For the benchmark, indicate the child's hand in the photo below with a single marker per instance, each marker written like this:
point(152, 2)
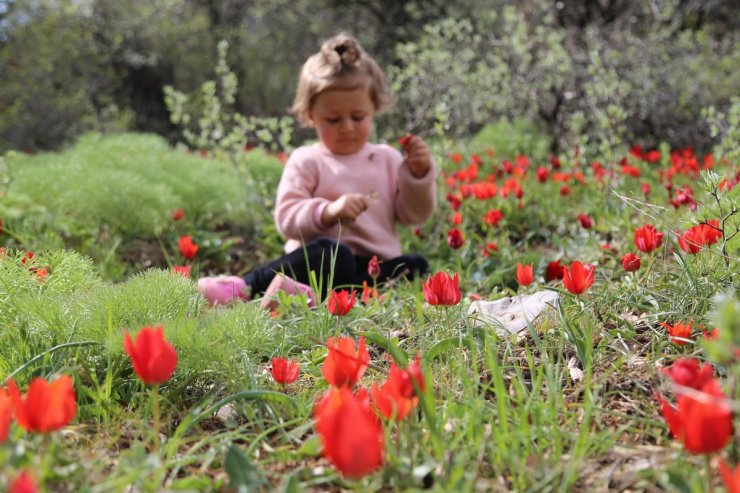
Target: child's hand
point(418, 157)
point(346, 207)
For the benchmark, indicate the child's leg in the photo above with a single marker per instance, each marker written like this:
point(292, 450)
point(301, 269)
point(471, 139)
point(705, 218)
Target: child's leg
point(298, 264)
point(408, 266)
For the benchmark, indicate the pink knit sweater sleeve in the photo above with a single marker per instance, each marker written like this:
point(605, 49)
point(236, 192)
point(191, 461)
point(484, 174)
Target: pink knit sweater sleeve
point(417, 197)
point(297, 211)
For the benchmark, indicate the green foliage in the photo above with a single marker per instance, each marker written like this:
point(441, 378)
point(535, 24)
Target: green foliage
point(72, 305)
point(107, 192)
point(511, 139)
point(212, 123)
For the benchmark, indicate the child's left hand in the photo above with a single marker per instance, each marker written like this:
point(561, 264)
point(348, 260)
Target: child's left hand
point(418, 156)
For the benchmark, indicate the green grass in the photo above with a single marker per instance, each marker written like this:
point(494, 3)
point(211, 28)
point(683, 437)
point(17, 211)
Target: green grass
point(499, 414)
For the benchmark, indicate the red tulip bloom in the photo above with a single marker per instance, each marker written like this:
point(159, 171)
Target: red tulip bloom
point(46, 406)
point(284, 371)
point(153, 358)
point(344, 364)
point(703, 424)
point(350, 432)
point(554, 271)
point(6, 414)
point(177, 214)
point(24, 483)
point(524, 274)
point(368, 293)
point(647, 238)
point(397, 396)
point(441, 289)
point(645, 187)
point(730, 478)
point(586, 221)
point(688, 373)
point(493, 217)
point(405, 141)
point(678, 332)
point(341, 302)
point(183, 270)
point(455, 238)
point(542, 174)
point(565, 190)
point(579, 277)
point(456, 219)
point(187, 248)
point(631, 262)
point(652, 156)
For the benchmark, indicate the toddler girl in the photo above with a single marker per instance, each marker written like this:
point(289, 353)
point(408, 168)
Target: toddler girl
point(339, 200)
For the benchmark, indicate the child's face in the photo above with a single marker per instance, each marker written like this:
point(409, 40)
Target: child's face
point(343, 119)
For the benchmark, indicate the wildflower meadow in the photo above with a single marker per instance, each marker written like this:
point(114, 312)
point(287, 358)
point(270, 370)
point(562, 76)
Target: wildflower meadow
point(579, 326)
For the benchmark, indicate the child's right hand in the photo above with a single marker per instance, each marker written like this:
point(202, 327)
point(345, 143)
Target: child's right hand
point(347, 207)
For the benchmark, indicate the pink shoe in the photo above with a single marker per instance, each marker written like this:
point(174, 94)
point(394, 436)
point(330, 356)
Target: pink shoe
point(288, 286)
point(222, 290)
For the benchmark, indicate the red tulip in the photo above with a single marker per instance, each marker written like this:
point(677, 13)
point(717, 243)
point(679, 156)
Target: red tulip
point(565, 190)
point(441, 289)
point(524, 274)
point(397, 396)
point(455, 238)
point(6, 414)
point(183, 270)
point(703, 423)
point(647, 238)
point(688, 373)
point(350, 432)
point(368, 293)
point(542, 174)
point(187, 248)
point(586, 221)
point(24, 483)
point(554, 271)
point(373, 267)
point(341, 302)
point(153, 358)
point(177, 214)
point(631, 262)
point(696, 237)
point(730, 478)
point(46, 406)
point(679, 332)
point(344, 365)
point(579, 277)
point(652, 156)
point(285, 372)
point(493, 217)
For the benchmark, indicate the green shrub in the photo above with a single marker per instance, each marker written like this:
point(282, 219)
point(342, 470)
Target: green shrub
point(107, 192)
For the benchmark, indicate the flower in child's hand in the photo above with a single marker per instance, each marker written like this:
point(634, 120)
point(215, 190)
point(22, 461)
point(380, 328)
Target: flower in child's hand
point(455, 238)
point(187, 247)
point(153, 358)
point(405, 141)
point(24, 483)
point(47, 406)
point(345, 364)
point(284, 371)
point(524, 274)
point(341, 302)
point(442, 289)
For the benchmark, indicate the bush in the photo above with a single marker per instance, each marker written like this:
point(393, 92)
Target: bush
point(83, 198)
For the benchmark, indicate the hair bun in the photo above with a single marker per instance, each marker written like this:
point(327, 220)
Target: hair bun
point(341, 50)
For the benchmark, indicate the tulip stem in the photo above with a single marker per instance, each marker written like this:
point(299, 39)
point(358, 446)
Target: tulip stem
point(155, 416)
point(710, 486)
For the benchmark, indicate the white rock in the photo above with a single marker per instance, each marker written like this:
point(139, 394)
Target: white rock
point(512, 314)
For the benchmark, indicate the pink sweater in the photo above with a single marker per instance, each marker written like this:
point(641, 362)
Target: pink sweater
point(314, 176)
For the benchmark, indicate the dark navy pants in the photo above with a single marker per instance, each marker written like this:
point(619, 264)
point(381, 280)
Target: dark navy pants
point(349, 269)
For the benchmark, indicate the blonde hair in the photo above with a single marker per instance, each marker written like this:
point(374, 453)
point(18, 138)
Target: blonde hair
point(343, 65)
